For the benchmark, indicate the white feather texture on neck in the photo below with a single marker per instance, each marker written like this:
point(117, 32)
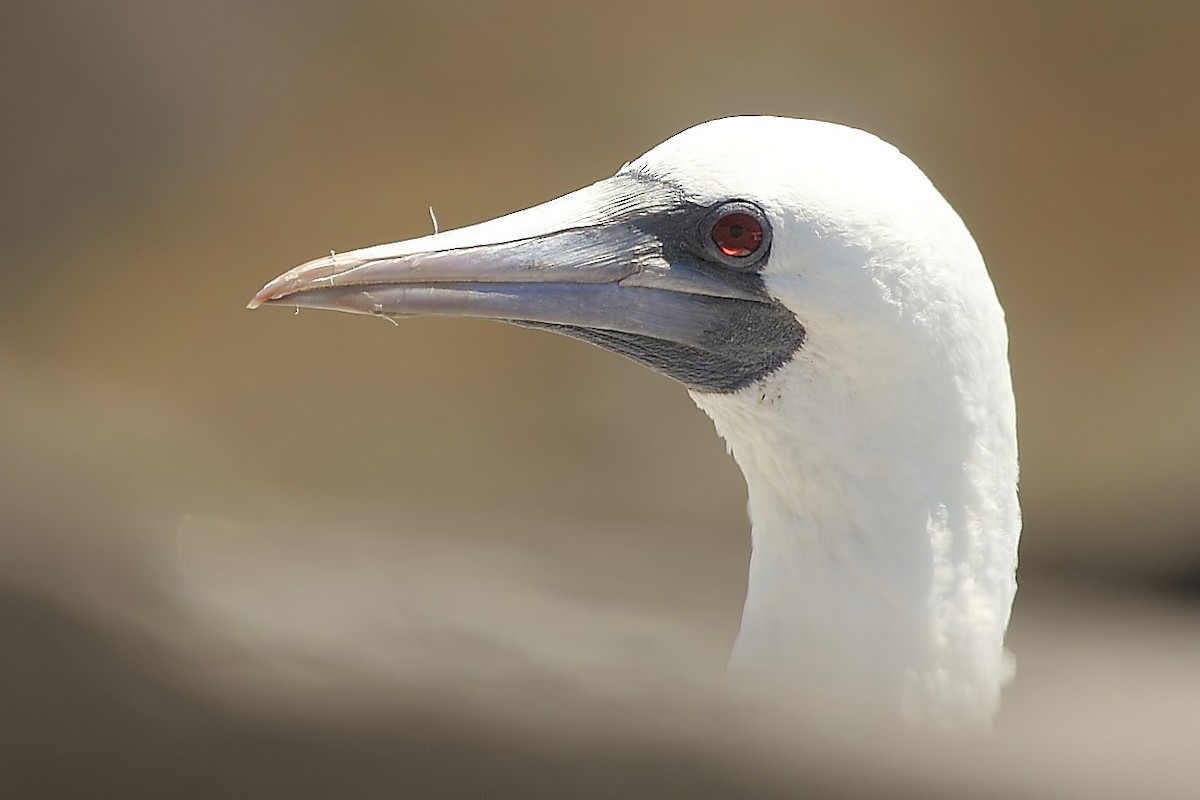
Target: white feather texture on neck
point(881, 461)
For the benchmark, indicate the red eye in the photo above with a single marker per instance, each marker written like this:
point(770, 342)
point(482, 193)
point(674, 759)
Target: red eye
point(737, 235)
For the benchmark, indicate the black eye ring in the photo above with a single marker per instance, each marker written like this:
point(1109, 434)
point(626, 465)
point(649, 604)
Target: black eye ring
point(736, 234)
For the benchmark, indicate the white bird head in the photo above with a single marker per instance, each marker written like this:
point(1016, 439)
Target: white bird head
point(829, 310)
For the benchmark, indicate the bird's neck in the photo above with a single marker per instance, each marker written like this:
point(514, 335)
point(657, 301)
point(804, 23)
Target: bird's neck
point(884, 539)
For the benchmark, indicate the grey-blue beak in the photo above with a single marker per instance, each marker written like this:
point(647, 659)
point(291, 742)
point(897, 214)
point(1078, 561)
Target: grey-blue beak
point(614, 264)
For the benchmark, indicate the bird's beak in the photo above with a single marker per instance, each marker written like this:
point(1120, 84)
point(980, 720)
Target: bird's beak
point(607, 263)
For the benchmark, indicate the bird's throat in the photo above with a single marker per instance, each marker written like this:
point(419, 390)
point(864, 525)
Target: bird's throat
point(881, 574)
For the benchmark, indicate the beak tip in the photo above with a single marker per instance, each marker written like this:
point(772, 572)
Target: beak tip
point(276, 289)
point(285, 285)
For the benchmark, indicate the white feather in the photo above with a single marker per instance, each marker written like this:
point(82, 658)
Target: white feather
point(881, 462)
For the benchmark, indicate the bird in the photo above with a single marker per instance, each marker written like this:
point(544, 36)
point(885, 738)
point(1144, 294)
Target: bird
point(829, 310)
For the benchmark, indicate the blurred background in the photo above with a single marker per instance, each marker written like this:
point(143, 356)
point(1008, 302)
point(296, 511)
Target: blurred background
point(275, 555)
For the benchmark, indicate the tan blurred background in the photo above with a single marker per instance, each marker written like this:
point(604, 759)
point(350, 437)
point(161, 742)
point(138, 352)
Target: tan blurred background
point(264, 555)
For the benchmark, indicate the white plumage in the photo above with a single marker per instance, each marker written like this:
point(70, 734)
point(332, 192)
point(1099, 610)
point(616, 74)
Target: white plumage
point(880, 457)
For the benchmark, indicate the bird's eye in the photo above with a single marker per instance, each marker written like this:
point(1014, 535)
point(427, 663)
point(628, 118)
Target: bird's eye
point(736, 234)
